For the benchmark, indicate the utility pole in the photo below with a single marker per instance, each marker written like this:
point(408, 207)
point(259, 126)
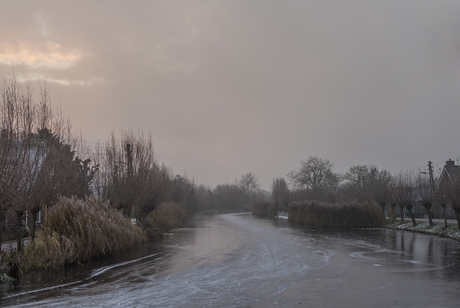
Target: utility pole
point(430, 172)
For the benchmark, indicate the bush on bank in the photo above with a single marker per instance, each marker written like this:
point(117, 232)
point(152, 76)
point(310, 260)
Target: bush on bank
point(336, 215)
point(76, 230)
point(166, 216)
point(264, 208)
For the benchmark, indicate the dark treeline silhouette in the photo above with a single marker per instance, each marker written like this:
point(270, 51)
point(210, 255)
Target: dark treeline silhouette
point(42, 160)
point(415, 193)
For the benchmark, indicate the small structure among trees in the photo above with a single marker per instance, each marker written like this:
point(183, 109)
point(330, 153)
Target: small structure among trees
point(448, 190)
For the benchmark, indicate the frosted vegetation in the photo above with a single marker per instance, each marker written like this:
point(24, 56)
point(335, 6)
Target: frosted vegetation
point(77, 230)
point(337, 215)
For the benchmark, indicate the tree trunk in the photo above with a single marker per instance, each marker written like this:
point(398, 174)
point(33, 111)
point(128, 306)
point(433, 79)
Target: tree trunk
point(428, 211)
point(401, 209)
point(409, 209)
point(445, 214)
point(393, 212)
point(457, 216)
point(127, 212)
point(32, 231)
point(19, 231)
point(2, 224)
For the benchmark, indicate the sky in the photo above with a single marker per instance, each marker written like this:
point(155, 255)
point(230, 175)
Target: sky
point(230, 87)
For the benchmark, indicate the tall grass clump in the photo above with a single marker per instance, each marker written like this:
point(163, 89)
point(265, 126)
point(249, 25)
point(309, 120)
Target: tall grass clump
point(76, 230)
point(351, 214)
point(166, 216)
point(10, 265)
point(264, 208)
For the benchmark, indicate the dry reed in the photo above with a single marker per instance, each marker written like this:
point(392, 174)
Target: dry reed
point(10, 265)
point(336, 215)
point(77, 230)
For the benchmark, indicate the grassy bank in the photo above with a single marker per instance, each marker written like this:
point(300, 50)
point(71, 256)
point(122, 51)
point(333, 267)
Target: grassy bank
point(438, 229)
point(336, 215)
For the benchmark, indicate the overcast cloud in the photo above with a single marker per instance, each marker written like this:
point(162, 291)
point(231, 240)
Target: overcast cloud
point(228, 87)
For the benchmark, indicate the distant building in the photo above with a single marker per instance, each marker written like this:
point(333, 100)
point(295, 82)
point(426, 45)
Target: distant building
point(35, 155)
point(449, 176)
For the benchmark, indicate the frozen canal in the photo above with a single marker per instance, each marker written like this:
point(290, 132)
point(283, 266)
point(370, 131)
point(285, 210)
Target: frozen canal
point(237, 260)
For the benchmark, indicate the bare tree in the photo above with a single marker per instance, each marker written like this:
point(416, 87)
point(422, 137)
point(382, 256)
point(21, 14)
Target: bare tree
point(21, 151)
point(442, 197)
point(405, 193)
point(17, 123)
point(205, 197)
point(368, 183)
point(280, 194)
point(184, 192)
point(229, 196)
point(424, 193)
point(315, 173)
point(358, 175)
point(128, 169)
point(379, 183)
point(382, 196)
point(249, 184)
point(160, 188)
point(393, 203)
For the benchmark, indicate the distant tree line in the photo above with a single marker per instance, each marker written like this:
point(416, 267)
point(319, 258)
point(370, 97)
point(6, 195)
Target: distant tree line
point(41, 160)
point(316, 180)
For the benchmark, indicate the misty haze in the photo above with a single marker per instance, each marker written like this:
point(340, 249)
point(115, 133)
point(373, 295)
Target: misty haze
point(219, 153)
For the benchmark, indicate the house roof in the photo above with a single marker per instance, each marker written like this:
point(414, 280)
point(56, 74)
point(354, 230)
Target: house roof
point(450, 172)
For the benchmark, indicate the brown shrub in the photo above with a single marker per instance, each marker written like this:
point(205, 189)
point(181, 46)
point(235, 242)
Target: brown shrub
point(77, 230)
point(336, 215)
point(264, 208)
point(166, 216)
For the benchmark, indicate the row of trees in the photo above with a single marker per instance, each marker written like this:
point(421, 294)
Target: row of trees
point(315, 179)
point(42, 160)
point(38, 161)
point(132, 180)
point(234, 196)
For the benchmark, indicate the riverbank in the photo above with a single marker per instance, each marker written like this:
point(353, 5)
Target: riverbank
point(241, 260)
point(438, 229)
point(423, 226)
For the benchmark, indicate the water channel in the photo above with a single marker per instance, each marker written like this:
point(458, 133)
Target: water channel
point(237, 260)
